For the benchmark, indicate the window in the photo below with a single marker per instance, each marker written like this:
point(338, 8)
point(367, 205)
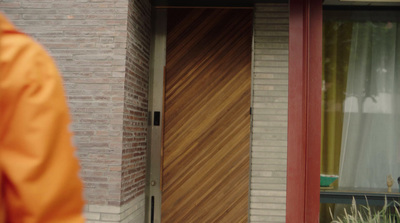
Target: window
point(361, 99)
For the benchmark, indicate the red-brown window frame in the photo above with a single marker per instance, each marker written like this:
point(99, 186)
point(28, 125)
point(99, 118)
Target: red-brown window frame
point(304, 115)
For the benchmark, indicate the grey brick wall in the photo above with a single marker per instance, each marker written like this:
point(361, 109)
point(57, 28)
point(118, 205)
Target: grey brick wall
point(105, 76)
point(87, 40)
point(270, 103)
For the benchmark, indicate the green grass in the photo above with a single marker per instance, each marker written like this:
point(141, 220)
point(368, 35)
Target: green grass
point(365, 214)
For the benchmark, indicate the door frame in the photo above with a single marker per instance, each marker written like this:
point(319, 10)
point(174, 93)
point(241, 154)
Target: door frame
point(304, 125)
point(304, 114)
point(156, 104)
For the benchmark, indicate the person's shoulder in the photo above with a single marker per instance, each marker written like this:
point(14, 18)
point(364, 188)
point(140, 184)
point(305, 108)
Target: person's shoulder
point(21, 56)
point(25, 64)
point(16, 46)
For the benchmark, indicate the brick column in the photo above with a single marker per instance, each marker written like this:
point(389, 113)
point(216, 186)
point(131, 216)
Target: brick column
point(270, 102)
point(102, 50)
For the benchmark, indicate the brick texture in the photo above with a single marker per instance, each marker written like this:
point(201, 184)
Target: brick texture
point(130, 212)
point(270, 102)
point(102, 50)
point(136, 100)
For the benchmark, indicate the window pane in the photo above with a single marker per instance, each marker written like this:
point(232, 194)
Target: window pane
point(361, 99)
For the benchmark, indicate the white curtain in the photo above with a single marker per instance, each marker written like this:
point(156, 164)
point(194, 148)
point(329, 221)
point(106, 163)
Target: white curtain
point(371, 128)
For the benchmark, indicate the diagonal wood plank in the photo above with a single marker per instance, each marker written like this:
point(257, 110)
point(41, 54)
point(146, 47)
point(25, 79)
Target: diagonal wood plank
point(207, 122)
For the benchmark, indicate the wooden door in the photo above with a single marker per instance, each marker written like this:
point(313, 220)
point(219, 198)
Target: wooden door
point(205, 169)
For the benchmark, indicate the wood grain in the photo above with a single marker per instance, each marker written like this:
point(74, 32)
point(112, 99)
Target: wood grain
point(205, 167)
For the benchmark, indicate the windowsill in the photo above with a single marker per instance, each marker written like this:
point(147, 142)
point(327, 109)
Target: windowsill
point(345, 196)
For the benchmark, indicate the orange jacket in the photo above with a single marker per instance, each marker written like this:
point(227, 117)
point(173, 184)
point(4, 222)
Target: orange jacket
point(39, 180)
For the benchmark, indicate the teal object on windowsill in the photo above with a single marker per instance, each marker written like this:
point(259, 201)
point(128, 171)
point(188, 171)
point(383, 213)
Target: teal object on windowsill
point(327, 180)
